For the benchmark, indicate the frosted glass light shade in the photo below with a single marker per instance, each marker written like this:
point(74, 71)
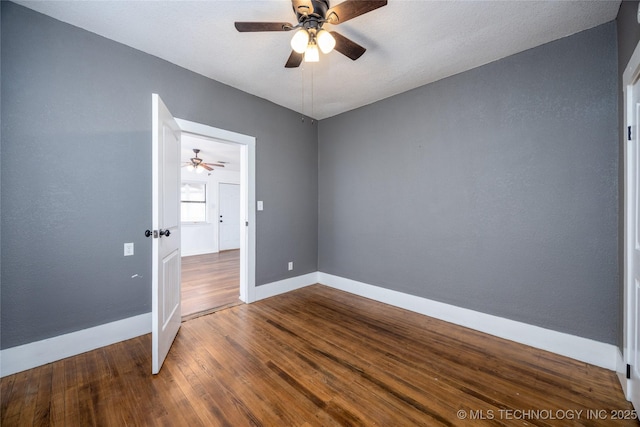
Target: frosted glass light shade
point(312, 54)
point(326, 42)
point(300, 41)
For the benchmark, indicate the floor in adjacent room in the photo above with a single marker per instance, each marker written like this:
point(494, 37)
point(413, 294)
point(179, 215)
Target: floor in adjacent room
point(210, 282)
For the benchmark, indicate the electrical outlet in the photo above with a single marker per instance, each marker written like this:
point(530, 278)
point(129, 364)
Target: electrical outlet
point(128, 249)
point(290, 265)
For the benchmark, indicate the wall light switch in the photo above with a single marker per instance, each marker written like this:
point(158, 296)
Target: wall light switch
point(260, 205)
point(128, 249)
point(290, 265)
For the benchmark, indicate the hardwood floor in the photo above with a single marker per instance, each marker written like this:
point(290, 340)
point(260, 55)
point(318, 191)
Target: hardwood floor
point(210, 282)
point(316, 357)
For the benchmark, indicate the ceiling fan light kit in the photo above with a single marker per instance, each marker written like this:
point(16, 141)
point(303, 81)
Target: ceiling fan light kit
point(308, 42)
point(311, 16)
point(326, 42)
point(196, 169)
point(300, 41)
point(311, 54)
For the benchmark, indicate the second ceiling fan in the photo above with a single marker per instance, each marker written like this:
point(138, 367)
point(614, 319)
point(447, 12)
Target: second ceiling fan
point(312, 15)
point(197, 164)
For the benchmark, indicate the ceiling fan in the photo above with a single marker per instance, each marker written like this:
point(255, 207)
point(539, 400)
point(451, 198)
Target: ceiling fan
point(196, 164)
point(311, 16)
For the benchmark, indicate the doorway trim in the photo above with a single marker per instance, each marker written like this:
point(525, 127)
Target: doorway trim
point(630, 77)
point(247, 198)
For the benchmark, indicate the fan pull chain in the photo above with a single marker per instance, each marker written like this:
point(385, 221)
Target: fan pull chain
point(313, 69)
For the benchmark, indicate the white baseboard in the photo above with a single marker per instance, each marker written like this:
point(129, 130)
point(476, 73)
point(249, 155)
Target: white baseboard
point(583, 349)
point(196, 253)
point(27, 356)
point(20, 358)
point(286, 285)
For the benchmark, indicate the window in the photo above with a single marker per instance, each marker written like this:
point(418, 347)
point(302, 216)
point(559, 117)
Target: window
point(193, 202)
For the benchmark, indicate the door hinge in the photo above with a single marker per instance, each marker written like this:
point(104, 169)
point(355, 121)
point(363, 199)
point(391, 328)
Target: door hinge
point(628, 133)
point(628, 371)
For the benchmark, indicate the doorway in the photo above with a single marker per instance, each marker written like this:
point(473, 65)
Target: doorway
point(166, 203)
point(210, 220)
point(214, 278)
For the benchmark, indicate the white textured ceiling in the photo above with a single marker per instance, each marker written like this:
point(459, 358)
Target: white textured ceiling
point(409, 42)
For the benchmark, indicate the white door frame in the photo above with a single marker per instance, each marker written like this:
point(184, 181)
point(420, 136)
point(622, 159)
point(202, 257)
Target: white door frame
point(630, 77)
point(247, 199)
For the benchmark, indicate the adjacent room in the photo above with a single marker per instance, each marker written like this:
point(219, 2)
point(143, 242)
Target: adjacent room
point(210, 222)
point(303, 212)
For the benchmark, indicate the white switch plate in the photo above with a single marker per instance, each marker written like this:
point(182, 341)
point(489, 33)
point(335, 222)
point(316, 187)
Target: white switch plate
point(260, 205)
point(128, 249)
point(290, 265)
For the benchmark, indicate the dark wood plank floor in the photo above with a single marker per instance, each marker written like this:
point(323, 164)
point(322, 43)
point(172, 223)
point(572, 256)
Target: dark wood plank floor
point(210, 282)
point(316, 357)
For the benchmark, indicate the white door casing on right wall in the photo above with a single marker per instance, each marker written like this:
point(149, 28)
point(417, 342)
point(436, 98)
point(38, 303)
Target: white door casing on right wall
point(633, 357)
point(631, 82)
point(229, 216)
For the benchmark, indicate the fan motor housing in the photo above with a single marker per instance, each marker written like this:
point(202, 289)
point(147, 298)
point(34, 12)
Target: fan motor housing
point(320, 8)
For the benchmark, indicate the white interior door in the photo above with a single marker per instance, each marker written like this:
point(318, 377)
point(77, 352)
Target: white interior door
point(229, 220)
point(165, 301)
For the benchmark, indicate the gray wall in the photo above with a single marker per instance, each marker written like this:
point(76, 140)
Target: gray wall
point(628, 37)
point(494, 190)
point(76, 174)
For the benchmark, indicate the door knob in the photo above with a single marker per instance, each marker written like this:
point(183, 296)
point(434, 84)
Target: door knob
point(165, 233)
point(147, 233)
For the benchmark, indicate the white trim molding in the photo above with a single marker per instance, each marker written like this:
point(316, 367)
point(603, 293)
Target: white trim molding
point(630, 79)
point(28, 356)
point(247, 198)
point(583, 349)
point(286, 285)
point(38, 353)
point(621, 371)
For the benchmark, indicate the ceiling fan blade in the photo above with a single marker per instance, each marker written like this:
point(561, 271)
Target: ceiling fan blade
point(250, 27)
point(218, 165)
point(350, 9)
point(206, 166)
point(295, 59)
point(347, 47)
